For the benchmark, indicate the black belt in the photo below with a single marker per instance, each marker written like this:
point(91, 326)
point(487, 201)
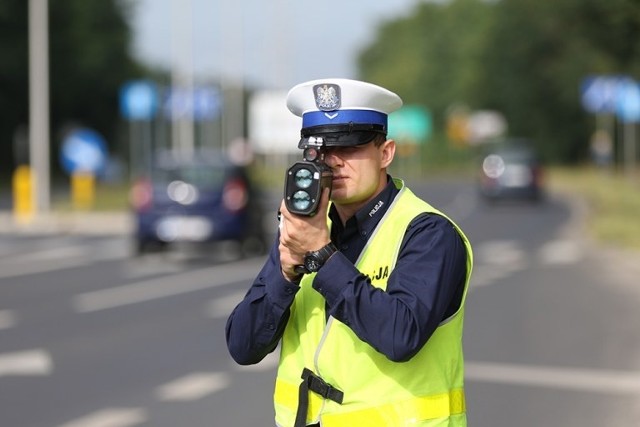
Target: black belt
point(312, 382)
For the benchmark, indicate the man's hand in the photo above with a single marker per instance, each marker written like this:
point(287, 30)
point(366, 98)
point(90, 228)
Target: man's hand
point(300, 234)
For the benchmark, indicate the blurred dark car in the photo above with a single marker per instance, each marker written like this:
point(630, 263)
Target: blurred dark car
point(511, 169)
point(201, 199)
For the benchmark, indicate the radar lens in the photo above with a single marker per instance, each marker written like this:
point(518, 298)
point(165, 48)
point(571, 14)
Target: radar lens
point(301, 200)
point(304, 178)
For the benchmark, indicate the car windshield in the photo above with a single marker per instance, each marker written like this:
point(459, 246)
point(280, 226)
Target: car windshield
point(516, 155)
point(199, 175)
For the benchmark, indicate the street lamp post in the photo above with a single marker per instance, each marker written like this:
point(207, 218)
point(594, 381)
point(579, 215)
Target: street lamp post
point(182, 76)
point(39, 102)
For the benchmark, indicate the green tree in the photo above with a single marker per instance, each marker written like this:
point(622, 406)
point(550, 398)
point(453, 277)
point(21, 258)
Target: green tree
point(539, 54)
point(14, 77)
point(431, 57)
point(89, 59)
point(525, 58)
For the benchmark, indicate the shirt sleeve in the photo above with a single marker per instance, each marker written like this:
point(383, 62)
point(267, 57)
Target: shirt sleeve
point(256, 325)
point(428, 279)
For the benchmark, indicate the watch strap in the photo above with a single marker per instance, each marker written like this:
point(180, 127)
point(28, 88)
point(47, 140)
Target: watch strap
point(322, 255)
point(326, 251)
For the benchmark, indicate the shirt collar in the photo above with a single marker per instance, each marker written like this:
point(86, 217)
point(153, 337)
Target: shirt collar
point(369, 215)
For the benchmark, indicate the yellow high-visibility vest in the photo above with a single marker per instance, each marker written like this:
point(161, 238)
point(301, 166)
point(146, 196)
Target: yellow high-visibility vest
point(427, 390)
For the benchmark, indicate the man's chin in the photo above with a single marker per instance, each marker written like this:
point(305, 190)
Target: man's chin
point(337, 195)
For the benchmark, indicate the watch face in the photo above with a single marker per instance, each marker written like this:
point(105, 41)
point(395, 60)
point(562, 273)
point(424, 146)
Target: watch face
point(313, 260)
point(312, 263)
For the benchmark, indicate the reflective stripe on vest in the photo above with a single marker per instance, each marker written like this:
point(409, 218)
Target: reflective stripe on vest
point(390, 414)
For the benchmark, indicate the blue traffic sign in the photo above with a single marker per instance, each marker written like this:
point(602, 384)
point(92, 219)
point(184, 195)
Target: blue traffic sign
point(599, 93)
point(139, 100)
point(612, 94)
point(628, 101)
point(201, 103)
point(84, 150)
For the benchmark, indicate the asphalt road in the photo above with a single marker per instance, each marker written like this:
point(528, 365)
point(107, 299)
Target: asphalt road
point(90, 337)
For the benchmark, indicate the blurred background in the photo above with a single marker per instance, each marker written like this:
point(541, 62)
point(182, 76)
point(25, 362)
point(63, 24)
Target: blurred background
point(144, 147)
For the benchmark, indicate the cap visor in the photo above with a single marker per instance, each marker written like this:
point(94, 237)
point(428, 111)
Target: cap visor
point(342, 139)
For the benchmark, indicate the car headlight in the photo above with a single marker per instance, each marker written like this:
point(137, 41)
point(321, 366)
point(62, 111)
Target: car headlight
point(493, 166)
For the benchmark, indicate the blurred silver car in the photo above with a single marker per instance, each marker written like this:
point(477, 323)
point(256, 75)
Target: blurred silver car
point(511, 170)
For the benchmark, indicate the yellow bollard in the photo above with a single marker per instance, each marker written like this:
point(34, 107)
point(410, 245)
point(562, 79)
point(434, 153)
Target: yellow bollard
point(82, 190)
point(23, 192)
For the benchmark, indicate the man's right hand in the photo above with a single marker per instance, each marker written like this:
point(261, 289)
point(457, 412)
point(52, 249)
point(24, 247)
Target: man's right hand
point(301, 234)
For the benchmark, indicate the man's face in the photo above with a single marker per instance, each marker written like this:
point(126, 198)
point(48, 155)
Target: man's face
point(359, 172)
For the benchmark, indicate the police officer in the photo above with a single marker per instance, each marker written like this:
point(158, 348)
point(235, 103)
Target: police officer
point(371, 329)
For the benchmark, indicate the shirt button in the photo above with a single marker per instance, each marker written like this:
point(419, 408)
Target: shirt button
point(364, 233)
point(288, 291)
point(344, 247)
point(270, 327)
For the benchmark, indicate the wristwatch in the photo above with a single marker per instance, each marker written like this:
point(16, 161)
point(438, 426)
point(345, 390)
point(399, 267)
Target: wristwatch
point(313, 260)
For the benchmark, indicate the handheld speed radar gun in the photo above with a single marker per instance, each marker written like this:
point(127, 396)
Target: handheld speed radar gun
point(305, 180)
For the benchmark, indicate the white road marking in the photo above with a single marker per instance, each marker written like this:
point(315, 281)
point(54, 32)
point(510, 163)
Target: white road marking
point(506, 254)
point(111, 417)
point(57, 253)
point(5, 249)
point(26, 363)
point(113, 249)
point(495, 260)
point(28, 266)
point(60, 257)
point(8, 319)
point(484, 275)
point(591, 380)
point(194, 386)
point(222, 307)
point(162, 287)
point(150, 266)
point(560, 252)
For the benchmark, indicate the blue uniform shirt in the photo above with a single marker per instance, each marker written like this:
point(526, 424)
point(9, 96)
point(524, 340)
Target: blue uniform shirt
point(424, 288)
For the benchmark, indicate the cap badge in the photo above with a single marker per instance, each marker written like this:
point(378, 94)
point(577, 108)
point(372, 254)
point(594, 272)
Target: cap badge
point(327, 97)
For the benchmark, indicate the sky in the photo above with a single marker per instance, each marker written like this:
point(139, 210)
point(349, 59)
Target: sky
point(268, 44)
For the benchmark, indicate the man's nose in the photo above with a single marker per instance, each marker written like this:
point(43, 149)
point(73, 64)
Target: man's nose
point(331, 158)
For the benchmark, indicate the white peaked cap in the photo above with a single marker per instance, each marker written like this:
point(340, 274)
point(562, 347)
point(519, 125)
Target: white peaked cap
point(330, 106)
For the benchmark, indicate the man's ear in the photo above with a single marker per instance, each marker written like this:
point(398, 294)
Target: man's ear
point(388, 151)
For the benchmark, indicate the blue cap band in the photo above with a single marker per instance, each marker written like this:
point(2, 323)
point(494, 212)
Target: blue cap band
point(343, 117)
